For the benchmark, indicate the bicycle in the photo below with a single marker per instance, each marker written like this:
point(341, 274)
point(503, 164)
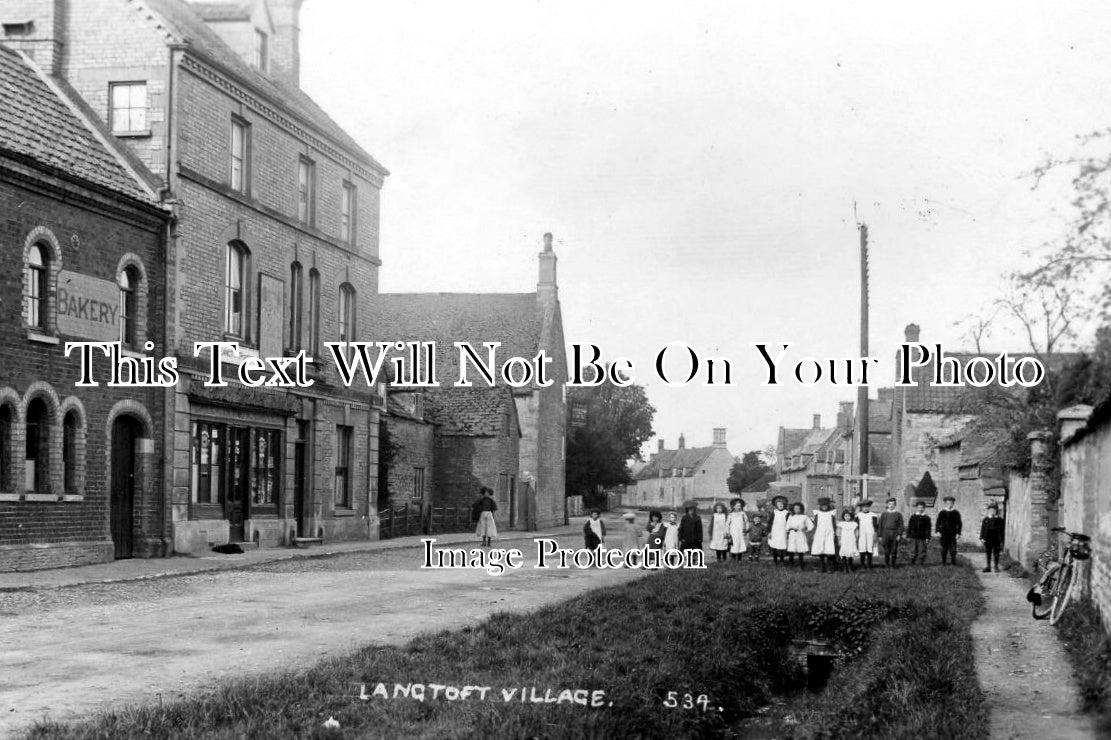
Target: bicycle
point(1051, 594)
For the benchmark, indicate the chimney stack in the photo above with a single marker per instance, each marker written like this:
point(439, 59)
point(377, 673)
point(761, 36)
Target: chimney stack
point(817, 421)
point(285, 46)
point(845, 416)
point(36, 28)
point(719, 436)
point(661, 445)
point(682, 442)
point(547, 292)
point(912, 332)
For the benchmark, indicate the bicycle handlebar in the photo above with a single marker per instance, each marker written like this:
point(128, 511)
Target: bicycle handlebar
point(1072, 535)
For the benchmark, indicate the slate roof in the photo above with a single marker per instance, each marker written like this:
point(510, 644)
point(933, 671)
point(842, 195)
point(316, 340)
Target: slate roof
point(510, 318)
point(217, 11)
point(792, 439)
point(469, 412)
point(688, 457)
point(185, 24)
point(38, 122)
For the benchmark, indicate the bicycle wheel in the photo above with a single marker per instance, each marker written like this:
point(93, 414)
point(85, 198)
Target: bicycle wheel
point(1047, 587)
point(1064, 593)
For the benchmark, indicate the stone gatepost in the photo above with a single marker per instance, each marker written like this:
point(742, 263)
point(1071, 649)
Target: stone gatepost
point(1043, 508)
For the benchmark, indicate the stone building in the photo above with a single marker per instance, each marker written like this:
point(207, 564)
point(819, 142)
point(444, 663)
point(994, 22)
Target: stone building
point(81, 244)
point(476, 437)
point(815, 460)
point(672, 477)
point(275, 249)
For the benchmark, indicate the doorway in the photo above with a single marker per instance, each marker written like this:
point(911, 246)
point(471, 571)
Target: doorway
point(237, 499)
point(126, 432)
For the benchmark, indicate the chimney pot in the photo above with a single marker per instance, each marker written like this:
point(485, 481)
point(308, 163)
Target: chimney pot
point(682, 442)
point(912, 332)
point(548, 242)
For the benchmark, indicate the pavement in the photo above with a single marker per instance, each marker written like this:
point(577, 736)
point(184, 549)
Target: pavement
point(135, 569)
point(1023, 669)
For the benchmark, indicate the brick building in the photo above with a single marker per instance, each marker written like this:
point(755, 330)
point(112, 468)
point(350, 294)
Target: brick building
point(448, 443)
point(479, 434)
point(672, 477)
point(276, 249)
point(81, 244)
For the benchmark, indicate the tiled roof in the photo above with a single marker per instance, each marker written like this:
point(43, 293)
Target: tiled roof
point(240, 11)
point(792, 439)
point(928, 398)
point(186, 25)
point(688, 457)
point(510, 318)
point(469, 412)
point(37, 121)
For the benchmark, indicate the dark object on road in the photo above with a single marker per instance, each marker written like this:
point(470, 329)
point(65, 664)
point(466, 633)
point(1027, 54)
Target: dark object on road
point(229, 549)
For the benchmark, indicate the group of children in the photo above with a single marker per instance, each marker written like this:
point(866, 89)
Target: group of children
point(859, 533)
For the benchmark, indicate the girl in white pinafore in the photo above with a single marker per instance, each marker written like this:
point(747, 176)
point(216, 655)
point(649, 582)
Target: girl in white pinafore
point(824, 526)
point(846, 540)
point(866, 535)
point(798, 524)
point(777, 538)
point(719, 532)
point(737, 524)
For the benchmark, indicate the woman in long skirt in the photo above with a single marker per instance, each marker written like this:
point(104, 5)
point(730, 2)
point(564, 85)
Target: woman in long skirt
point(737, 525)
point(777, 539)
point(487, 529)
point(824, 545)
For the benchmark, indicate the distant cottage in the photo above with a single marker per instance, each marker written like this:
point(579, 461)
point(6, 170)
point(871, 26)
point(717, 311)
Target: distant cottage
point(672, 477)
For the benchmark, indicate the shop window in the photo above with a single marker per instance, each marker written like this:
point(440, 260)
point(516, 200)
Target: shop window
point(208, 457)
point(265, 463)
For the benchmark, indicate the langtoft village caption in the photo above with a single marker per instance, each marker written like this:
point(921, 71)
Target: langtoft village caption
point(413, 364)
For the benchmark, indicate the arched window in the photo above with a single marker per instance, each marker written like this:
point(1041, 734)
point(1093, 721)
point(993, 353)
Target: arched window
point(37, 270)
point(236, 290)
point(129, 307)
point(7, 477)
point(69, 452)
point(346, 313)
point(295, 307)
point(314, 311)
point(37, 473)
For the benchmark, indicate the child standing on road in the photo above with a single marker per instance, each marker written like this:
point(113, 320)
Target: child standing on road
point(891, 531)
point(756, 534)
point(991, 534)
point(656, 530)
point(847, 548)
point(690, 529)
point(866, 534)
point(798, 524)
point(918, 530)
point(737, 524)
point(671, 532)
point(824, 538)
point(594, 531)
point(719, 532)
point(777, 539)
point(948, 528)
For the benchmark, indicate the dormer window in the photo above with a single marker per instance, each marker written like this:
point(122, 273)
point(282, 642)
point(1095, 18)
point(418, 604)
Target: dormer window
point(259, 57)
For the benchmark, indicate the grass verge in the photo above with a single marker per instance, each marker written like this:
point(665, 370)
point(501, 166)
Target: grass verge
point(724, 634)
point(1089, 648)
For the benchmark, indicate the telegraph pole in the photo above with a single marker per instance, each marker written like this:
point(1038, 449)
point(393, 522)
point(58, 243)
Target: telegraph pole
point(862, 391)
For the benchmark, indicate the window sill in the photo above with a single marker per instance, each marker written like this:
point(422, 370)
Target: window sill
point(339, 513)
point(132, 134)
point(35, 336)
point(42, 497)
point(11, 497)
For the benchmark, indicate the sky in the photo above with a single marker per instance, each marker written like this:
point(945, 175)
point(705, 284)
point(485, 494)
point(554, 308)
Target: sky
point(703, 167)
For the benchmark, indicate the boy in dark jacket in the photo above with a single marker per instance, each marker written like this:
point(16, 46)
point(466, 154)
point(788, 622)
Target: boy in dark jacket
point(690, 528)
point(890, 528)
point(948, 527)
point(991, 534)
point(919, 532)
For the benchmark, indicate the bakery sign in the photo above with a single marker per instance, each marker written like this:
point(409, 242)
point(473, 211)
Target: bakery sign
point(88, 307)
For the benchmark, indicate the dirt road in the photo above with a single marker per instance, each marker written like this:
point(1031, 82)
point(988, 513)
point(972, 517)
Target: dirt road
point(65, 652)
point(1023, 669)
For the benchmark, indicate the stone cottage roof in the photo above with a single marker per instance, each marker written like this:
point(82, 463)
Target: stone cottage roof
point(470, 412)
point(185, 25)
point(690, 458)
point(793, 439)
point(39, 121)
point(510, 318)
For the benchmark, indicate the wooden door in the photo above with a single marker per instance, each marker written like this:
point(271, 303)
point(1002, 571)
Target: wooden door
point(125, 432)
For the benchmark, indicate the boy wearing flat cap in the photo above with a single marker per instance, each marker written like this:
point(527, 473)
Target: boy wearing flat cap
point(948, 528)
